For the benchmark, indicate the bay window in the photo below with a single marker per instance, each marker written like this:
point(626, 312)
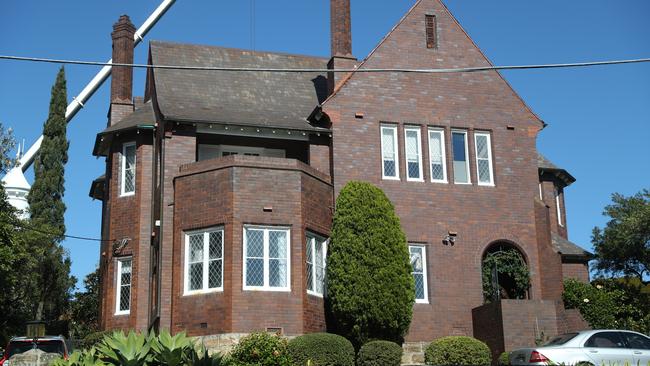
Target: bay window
point(266, 258)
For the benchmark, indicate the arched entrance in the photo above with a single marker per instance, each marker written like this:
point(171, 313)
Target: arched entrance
point(505, 272)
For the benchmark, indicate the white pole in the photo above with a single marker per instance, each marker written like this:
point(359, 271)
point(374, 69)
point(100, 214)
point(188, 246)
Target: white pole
point(90, 89)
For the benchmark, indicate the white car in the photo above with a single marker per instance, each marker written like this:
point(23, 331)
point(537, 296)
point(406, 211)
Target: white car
point(588, 348)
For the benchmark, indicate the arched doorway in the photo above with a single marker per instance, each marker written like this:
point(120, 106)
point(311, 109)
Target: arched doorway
point(505, 272)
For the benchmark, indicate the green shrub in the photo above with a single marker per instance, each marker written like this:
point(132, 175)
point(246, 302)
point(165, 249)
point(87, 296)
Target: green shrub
point(369, 282)
point(261, 349)
point(322, 349)
point(93, 339)
point(504, 359)
point(380, 353)
point(457, 350)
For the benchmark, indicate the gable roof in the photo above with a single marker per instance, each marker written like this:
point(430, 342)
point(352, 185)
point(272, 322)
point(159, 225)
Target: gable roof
point(350, 75)
point(142, 117)
point(261, 99)
point(569, 249)
point(545, 165)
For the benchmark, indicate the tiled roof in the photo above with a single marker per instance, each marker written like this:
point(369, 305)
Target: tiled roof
point(261, 99)
point(142, 116)
point(543, 164)
point(567, 248)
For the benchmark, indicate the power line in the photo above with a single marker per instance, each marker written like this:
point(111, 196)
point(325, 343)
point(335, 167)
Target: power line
point(31, 228)
point(400, 70)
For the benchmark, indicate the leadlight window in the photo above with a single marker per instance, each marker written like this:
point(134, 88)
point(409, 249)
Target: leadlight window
point(419, 272)
point(123, 295)
point(484, 170)
point(266, 258)
point(461, 163)
point(390, 166)
point(203, 261)
point(557, 206)
point(437, 155)
point(413, 148)
point(316, 249)
point(127, 171)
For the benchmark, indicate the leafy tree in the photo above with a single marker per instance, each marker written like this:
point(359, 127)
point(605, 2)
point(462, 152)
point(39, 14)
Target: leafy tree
point(623, 246)
point(47, 226)
point(84, 308)
point(369, 282)
point(512, 273)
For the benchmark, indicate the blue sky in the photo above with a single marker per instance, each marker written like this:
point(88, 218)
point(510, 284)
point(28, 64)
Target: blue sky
point(599, 118)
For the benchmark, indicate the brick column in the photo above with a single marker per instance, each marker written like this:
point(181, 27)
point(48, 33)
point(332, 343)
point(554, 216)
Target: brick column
point(122, 77)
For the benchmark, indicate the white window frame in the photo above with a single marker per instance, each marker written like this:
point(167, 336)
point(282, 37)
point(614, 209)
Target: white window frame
point(443, 156)
point(557, 205)
point(467, 170)
point(205, 262)
point(118, 288)
point(218, 150)
point(395, 151)
point(266, 286)
point(541, 196)
point(418, 132)
point(489, 158)
point(123, 168)
point(312, 238)
point(424, 273)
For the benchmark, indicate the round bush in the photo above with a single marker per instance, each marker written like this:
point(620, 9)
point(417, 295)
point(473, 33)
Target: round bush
point(323, 349)
point(380, 353)
point(504, 359)
point(457, 350)
point(261, 349)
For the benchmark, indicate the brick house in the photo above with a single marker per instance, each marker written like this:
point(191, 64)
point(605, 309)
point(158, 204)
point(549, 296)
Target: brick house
point(220, 186)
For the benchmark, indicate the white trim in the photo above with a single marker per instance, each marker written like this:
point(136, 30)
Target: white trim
point(311, 237)
point(469, 176)
point(557, 205)
point(417, 130)
point(443, 155)
point(424, 273)
point(266, 258)
point(393, 128)
point(123, 168)
point(489, 158)
point(541, 197)
point(205, 261)
point(118, 288)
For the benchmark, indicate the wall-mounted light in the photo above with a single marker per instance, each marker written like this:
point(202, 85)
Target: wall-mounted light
point(450, 239)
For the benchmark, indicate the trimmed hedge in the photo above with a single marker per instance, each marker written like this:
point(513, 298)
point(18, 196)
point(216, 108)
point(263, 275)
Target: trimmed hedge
point(457, 350)
point(262, 349)
point(504, 359)
point(323, 349)
point(380, 353)
point(369, 283)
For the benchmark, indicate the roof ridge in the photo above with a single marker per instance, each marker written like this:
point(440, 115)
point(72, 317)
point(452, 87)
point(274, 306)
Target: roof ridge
point(174, 43)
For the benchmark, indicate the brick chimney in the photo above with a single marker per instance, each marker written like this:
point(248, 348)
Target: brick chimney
point(122, 77)
point(341, 41)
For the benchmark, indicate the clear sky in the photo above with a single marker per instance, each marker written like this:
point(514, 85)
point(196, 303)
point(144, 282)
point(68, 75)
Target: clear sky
point(599, 118)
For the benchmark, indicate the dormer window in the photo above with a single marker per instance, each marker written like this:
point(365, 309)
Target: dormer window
point(127, 169)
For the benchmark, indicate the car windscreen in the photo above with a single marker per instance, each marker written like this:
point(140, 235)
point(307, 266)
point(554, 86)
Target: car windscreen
point(17, 347)
point(562, 339)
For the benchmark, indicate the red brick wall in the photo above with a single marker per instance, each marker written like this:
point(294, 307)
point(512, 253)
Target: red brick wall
point(234, 192)
point(481, 215)
point(549, 260)
point(578, 271)
point(548, 194)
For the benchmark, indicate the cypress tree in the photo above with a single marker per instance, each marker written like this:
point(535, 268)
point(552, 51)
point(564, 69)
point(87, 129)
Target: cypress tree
point(369, 283)
point(54, 283)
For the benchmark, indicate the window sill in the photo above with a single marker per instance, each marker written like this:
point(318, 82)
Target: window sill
point(390, 178)
point(123, 312)
point(415, 180)
point(266, 289)
point(440, 181)
point(463, 183)
point(203, 292)
point(423, 302)
point(486, 184)
point(315, 294)
point(130, 194)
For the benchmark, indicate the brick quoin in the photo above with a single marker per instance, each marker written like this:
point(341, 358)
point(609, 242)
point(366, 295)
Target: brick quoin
point(175, 194)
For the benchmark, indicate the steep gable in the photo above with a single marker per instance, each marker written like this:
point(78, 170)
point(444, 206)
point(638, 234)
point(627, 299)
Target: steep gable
point(445, 95)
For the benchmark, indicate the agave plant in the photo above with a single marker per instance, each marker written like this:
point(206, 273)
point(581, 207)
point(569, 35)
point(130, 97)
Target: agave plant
point(133, 349)
point(88, 357)
point(203, 358)
point(172, 350)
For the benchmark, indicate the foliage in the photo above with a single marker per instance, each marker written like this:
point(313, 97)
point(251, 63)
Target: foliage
point(172, 350)
point(84, 308)
point(509, 264)
point(93, 339)
point(322, 349)
point(261, 349)
point(504, 359)
point(610, 303)
point(133, 349)
point(90, 357)
point(623, 246)
point(457, 350)
point(380, 353)
point(369, 282)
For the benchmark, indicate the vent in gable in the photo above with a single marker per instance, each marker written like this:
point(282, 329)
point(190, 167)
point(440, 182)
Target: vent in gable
point(431, 30)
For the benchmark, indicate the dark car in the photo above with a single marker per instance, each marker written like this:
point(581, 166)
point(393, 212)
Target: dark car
point(48, 344)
